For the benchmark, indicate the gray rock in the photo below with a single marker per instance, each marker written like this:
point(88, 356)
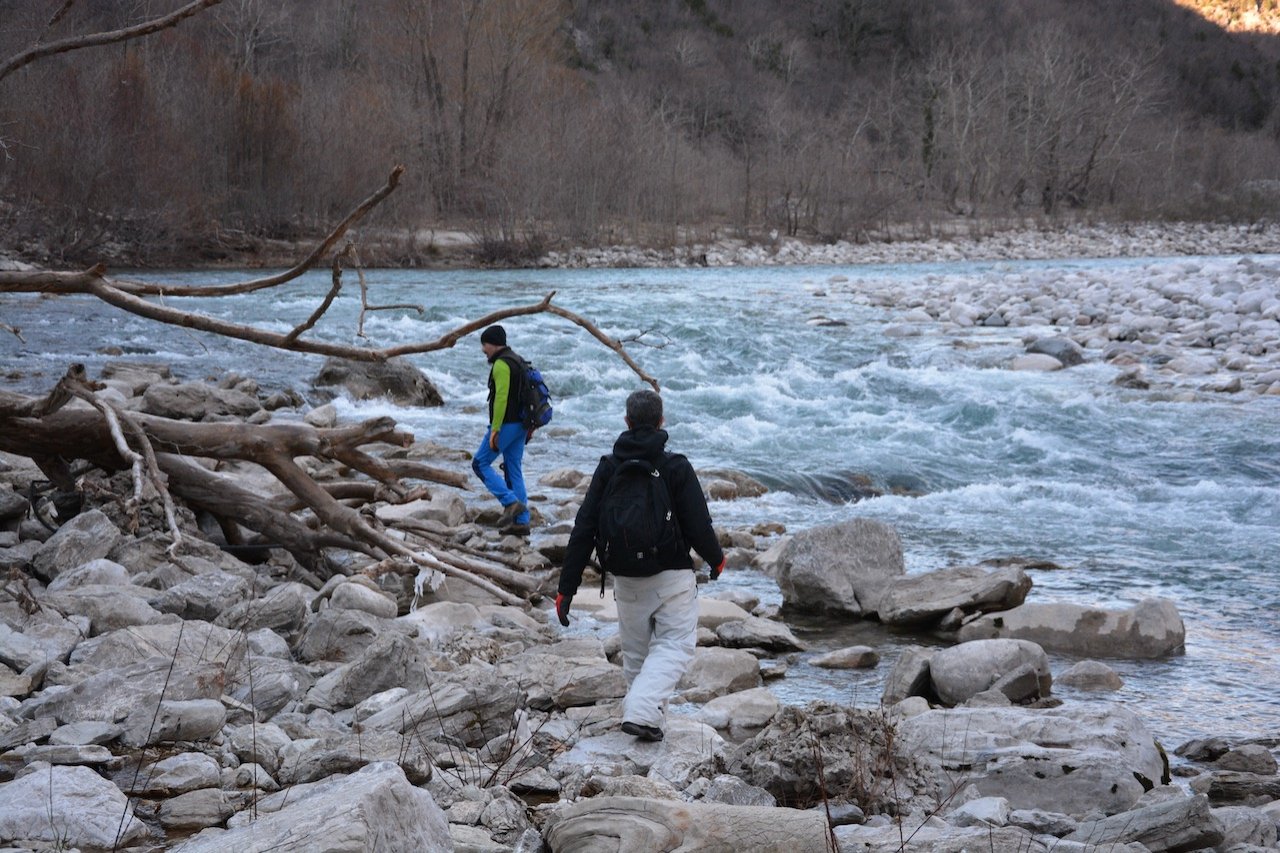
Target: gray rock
point(564, 679)
point(687, 747)
point(88, 811)
point(259, 743)
point(1204, 749)
point(1111, 758)
point(925, 598)
point(168, 777)
point(630, 824)
point(959, 672)
point(375, 808)
point(1172, 826)
point(1231, 786)
point(852, 657)
point(1036, 362)
point(136, 376)
point(30, 731)
point(283, 610)
point(393, 660)
point(12, 505)
point(190, 643)
point(939, 837)
point(357, 596)
point(85, 734)
point(714, 612)
point(783, 758)
point(109, 608)
point(732, 791)
point(204, 596)
point(717, 672)
point(268, 683)
point(45, 637)
point(1066, 351)
point(472, 704)
point(1244, 825)
point(196, 810)
point(113, 695)
point(88, 536)
point(984, 811)
point(1151, 628)
point(314, 759)
point(62, 754)
point(756, 633)
point(340, 634)
point(443, 508)
point(92, 573)
point(1091, 675)
point(1040, 822)
point(23, 554)
point(174, 720)
point(740, 714)
point(909, 676)
point(842, 567)
point(195, 401)
point(1249, 758)
point(395, 379)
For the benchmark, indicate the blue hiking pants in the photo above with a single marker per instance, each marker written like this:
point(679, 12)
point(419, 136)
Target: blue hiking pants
point(508, 488)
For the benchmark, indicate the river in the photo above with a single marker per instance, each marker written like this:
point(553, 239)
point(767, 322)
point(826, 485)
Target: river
point(772, 371)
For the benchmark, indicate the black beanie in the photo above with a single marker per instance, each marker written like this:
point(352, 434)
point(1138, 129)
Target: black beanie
point(494, 335)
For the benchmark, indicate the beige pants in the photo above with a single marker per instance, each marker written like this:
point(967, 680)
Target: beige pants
point(658, 623)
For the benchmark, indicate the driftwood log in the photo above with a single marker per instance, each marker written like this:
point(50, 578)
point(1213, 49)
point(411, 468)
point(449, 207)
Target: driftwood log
point(175, 457)
point(50, 433)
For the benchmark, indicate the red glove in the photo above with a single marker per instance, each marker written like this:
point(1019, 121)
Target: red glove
point(562, 607)
point(715, 573)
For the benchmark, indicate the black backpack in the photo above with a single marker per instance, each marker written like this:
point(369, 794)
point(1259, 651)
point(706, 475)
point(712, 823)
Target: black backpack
point(638, 533)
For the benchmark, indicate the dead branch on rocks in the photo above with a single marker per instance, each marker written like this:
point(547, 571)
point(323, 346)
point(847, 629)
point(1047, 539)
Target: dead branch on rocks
point(49, 432)
point(176, 456)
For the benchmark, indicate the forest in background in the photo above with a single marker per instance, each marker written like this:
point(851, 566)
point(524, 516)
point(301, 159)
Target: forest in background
point(531, 124)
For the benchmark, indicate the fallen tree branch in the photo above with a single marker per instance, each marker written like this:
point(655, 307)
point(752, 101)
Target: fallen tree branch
point(155, 25)
point(365, 307)
point(326, 302)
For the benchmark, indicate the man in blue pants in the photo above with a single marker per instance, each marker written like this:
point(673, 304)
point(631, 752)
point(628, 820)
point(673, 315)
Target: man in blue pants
point(506, 435)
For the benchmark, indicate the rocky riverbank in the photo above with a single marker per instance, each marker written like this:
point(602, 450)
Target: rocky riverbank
point(193, 701)
point(899, 246)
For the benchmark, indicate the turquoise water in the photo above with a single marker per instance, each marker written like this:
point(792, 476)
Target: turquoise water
point(1130, 494)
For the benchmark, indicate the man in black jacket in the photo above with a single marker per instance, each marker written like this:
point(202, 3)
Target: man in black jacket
point(657, 602)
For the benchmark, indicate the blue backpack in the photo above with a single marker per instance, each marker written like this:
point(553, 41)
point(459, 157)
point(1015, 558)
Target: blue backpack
point(535, 397)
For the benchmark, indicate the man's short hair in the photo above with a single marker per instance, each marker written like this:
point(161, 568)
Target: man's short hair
point(644, 409)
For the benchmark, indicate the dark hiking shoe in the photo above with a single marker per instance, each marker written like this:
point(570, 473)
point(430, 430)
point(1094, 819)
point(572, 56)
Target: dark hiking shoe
point(514, 529)
point(642, 731)
point(509, 513)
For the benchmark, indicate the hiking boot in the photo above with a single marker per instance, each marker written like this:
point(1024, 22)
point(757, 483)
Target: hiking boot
point(651, 733)
point(509, 513)
point(514, 529)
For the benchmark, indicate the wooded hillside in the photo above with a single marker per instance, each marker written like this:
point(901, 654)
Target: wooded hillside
point(535, 122)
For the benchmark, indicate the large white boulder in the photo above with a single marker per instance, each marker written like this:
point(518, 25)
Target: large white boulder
point(1151, 628)
point(842, 567)
point(72, 807)
point(925, 598)
point(1068, 760)
point(960, 672)
point(626, 824)
point(374, 808)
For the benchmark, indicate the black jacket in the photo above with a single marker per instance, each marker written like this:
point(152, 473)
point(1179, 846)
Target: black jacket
point(513, 414)
point(686, 499)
